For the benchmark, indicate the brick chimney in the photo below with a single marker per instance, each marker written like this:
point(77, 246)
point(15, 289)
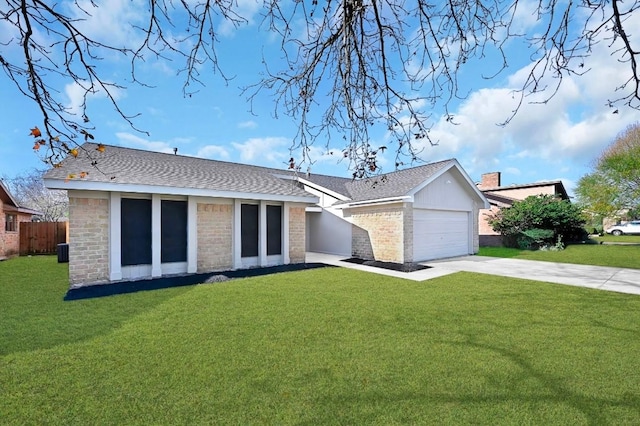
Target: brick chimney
point(489, 180)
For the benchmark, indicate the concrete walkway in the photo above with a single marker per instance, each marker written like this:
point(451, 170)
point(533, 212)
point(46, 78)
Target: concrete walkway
point(620, 280)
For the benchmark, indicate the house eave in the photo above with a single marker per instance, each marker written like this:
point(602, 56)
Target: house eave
point(313, 185)
point(168, 190)
point(381, 201)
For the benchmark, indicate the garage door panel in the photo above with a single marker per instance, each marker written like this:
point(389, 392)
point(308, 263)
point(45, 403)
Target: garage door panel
point(440, 233)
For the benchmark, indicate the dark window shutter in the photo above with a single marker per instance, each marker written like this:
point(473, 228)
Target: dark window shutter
point(173, 235)
point(135, 232)
point(249, 225)
point(274, 230)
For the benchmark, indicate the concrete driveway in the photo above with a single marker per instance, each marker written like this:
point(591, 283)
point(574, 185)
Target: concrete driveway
point(620, 280)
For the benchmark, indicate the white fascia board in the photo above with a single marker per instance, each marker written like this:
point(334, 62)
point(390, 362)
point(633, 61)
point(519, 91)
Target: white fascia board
point(391, 200)
point(314, 186)
point(313, 209)
point(454, 164)
point(168, 190)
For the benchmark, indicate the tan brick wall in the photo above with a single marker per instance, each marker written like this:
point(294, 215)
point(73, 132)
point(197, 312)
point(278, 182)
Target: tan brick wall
point(297, 234)
point(215, 237)
point(378, 232)
point(88, 240)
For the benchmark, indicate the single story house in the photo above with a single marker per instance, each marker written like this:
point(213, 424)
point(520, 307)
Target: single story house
point(11, 215)
point(141, 214)
point(504, 196)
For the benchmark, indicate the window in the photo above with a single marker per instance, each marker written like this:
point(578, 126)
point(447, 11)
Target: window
point(249, 214)
point(136, 232)
point(274, 230)
point(11, 223)
point(173, 233)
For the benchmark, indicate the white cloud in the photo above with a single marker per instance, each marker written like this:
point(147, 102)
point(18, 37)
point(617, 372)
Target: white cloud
point(133, 141)
point(247, 9)
point(570, 128)
point(265, 151)
point(250, 124)
point(108, 21)
point(75, 96)
point(213, 152)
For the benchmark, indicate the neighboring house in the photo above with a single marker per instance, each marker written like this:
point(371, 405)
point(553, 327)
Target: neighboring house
point(11, 215)
point(145, 214)
point(504, 196)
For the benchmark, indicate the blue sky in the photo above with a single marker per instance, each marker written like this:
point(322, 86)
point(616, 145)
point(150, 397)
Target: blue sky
point(556, 140)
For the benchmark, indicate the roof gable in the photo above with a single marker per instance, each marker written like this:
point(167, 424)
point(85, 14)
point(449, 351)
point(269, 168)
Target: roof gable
point(6, 196)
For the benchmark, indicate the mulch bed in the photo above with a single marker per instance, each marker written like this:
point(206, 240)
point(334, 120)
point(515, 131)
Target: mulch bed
point(110, 289)
point(400, 267)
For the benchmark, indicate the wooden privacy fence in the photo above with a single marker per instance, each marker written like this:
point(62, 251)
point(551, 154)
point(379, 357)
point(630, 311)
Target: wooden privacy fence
point(41, 237)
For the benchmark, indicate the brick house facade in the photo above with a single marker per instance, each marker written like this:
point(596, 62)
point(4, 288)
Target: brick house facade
point(504, 196)
point(162, 214)
point(11, 216)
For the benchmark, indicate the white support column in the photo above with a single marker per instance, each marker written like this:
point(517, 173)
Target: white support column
point(237, 235)
point(262, 232)
point(285, 233)
point(192, 235)
point(156, 229)
point(115, 238)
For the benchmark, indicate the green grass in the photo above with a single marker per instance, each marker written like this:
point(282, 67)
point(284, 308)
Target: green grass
point(585, 254)
point(635, 239)
point(329, 346)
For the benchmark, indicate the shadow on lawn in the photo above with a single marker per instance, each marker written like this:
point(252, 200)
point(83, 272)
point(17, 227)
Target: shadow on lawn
point(102, 290)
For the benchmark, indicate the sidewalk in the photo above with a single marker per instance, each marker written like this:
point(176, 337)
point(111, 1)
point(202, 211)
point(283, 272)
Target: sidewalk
point(620, 280)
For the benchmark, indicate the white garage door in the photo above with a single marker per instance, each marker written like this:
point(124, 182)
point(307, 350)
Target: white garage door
point(440, 233)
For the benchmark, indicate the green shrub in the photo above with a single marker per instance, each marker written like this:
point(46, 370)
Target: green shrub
point(527, 223)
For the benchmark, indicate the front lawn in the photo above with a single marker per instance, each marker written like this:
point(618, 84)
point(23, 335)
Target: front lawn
point(323, 346)
point(607, 238)
point(620, 256)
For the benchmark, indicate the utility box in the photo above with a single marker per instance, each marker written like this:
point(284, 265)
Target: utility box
point(63, 253)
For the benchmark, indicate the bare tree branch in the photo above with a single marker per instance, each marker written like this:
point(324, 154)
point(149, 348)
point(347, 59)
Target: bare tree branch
point(346, 66)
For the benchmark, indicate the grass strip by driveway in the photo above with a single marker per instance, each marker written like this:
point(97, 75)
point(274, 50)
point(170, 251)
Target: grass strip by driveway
point(584, 254)
point(324, 346)
point(607, 238)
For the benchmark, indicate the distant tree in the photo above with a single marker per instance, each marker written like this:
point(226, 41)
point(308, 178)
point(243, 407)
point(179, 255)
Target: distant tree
point(29, 191)
point(613, 186)
point(539, 219)
point(345, 65)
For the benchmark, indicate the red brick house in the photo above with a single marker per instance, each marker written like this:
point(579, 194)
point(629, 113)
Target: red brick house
point(504, 196)
point(11, 215)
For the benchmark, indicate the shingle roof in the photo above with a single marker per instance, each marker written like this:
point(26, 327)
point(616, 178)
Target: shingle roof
point(118, 165)
point(559, 187)
point(393, 184)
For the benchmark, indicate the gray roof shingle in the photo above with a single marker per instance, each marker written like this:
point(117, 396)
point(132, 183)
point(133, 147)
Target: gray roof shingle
point(393, 184)
point(120, 165)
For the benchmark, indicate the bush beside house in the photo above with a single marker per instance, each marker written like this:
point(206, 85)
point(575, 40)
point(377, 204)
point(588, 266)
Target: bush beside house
point(537, 221)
